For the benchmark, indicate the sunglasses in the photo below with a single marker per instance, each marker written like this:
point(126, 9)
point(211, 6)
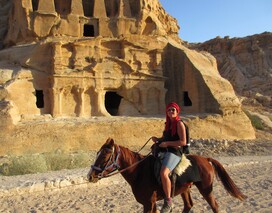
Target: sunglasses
point(171, 110)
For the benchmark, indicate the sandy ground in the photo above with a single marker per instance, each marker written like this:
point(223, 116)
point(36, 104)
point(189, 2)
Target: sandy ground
point(67, 190)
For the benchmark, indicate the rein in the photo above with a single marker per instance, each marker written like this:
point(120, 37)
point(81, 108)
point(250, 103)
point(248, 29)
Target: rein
point(144, 145)
point(127, 168)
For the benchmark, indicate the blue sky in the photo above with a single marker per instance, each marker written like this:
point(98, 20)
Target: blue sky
point(202, 20)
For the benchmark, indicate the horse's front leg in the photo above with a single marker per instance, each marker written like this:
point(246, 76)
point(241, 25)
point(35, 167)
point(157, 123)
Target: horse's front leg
point(187, 200)
point(150, 205)
point(150, 208)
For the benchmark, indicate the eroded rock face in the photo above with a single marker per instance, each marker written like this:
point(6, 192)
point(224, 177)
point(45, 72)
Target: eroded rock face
point(81, 59)
point(38, 19)
point(89, 58)
point(246, 63)
point(85, 53)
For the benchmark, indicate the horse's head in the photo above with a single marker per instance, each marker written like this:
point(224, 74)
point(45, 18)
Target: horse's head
point(106, 161)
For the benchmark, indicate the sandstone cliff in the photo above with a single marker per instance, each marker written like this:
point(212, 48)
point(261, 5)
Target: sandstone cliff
point(65, 63)
point(246, 63)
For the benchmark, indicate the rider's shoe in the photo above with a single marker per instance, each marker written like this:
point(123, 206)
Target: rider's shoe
point(167, 207)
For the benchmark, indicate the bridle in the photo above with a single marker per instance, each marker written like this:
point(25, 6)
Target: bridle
point(111, 165)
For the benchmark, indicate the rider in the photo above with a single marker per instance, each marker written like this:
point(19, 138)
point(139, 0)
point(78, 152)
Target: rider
point(174, 137)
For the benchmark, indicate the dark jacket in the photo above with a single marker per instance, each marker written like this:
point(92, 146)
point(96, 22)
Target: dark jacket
point(167, 136)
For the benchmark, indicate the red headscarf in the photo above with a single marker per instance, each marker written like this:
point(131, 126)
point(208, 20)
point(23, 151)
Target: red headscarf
point(169, 122)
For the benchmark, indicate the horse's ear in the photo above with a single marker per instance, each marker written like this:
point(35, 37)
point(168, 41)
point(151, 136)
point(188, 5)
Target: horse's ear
point(110, 142)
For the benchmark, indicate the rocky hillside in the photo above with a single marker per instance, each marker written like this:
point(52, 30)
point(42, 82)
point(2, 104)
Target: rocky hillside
point(246, 63)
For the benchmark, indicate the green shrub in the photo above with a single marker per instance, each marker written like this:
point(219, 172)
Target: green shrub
point(255, 121)
point(25, 165)
point(38, 163)
point(81, 160)
point(4, 169)
point(58, 161)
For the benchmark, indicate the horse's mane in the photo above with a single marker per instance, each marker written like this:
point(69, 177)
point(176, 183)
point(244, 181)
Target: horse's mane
point(131, 154)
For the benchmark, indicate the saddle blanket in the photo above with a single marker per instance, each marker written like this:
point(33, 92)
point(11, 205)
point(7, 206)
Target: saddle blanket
point(186, 170)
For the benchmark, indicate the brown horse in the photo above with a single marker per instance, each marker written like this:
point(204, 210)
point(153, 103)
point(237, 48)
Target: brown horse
point(138, 171)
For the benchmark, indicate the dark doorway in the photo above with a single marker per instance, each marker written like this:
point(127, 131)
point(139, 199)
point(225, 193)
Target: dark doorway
point(39, 99)
point(186, 99)
point(112, 102)
point(88, 30)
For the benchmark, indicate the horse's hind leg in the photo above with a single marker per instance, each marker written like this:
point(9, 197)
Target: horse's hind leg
point(187, 200)
point(208, 195)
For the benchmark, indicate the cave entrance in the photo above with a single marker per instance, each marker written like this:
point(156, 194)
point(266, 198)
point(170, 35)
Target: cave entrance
point(112, 102)
point(39, 99)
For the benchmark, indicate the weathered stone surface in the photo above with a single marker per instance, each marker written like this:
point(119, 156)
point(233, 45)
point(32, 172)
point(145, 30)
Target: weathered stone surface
point(246, 63)
point(71, 135)
point(68, 60)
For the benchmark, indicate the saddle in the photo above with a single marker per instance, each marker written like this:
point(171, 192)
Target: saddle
point(185, 172)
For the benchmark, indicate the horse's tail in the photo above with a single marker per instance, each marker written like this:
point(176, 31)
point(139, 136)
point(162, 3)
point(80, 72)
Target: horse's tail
point(227, 182)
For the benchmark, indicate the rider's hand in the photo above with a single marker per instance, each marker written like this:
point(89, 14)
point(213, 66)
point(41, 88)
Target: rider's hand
point(154, 139)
